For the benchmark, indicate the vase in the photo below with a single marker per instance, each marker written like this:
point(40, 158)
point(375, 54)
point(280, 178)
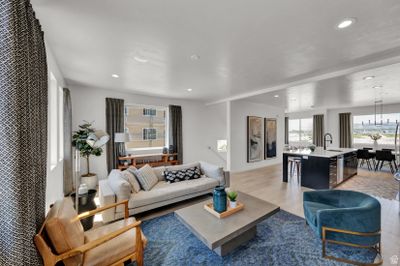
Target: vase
point(376, 145)
point(232, 204)
point(219, 199)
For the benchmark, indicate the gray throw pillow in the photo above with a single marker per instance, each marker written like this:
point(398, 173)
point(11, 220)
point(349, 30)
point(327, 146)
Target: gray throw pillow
point(146, 177)
point(129, 176)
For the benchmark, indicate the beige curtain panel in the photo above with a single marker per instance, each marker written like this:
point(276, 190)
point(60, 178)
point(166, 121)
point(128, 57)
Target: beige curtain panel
point(345, 132)
point(318, 130)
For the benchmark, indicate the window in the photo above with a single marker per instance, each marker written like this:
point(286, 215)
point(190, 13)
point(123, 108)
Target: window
point(52, 123)
point(364, 125)
point(149, 133)
point(146, 126)
point(300, 130)
point(149, 112)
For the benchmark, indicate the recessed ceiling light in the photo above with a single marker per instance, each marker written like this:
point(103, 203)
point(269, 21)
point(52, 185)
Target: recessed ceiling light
point(194, 57)
point(347, 22)
point(189, 89)
point(276, 96)
point(377, 87)
point(368, 77)
point(115, 76)
point(140, 59)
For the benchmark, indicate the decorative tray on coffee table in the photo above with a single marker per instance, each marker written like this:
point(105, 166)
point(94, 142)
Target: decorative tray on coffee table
point(229, 211)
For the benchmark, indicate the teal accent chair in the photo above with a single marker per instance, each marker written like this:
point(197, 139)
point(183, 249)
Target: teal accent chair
point(343, 217)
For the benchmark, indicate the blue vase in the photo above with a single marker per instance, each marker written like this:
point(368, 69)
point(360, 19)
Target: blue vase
point(219, 199)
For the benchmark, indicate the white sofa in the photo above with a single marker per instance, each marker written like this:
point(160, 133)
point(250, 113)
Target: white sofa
point(115, 188)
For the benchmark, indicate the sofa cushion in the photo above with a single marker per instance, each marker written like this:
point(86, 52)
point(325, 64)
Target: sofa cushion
point(146, 177)
point(114, 249)
point(159, 172)
point(64, 231)
point(311, 208)
point(182, 166)
point(120, 186)
point(129, 176)
point(164, 191)
point(182, 175)
point(213, 171)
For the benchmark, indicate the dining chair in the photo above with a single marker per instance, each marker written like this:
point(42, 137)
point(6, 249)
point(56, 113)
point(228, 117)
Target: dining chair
point(385, 156)
point(364, 156)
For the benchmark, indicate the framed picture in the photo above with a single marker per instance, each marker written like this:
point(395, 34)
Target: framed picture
point(255, 139)
point(270, 137)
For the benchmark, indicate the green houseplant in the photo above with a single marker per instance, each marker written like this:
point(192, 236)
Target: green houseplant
point(232, 195)
point(79, 141)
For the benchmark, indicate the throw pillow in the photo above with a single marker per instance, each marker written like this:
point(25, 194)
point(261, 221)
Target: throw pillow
point(129, 176)
point(146, 177)
point(182, 175)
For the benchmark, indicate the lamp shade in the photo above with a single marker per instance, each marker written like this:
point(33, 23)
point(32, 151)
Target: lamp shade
point(98, 139)
point(121, 137)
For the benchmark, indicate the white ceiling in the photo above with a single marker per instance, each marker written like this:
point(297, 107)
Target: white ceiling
point(244, 46)
point(341, 91)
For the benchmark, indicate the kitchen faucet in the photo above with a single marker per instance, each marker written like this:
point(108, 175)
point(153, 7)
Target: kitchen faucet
point(325, 139)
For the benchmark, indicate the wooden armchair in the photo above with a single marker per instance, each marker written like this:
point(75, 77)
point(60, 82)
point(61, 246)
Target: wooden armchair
point(62, 238)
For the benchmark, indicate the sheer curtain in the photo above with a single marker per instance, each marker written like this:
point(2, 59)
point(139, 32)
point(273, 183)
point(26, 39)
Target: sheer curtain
point(114, 124)
point(23, 132)
point(68, 177)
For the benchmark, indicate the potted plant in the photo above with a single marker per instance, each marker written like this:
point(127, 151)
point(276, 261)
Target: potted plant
point(232, 195)
point(79, 141)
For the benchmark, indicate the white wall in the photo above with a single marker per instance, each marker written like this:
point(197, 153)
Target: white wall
point(201, 124)
point(239, 112)
point(54, 184)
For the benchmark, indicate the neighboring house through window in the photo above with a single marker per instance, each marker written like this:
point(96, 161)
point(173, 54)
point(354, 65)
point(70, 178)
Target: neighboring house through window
point(146, 126)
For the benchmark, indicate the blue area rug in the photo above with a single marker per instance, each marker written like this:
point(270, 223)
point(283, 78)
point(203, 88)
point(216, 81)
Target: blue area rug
point(283, 239)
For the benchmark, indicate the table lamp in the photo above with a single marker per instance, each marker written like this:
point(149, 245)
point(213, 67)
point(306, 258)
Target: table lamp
point(121, 138)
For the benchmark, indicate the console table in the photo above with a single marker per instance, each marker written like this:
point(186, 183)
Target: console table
point(154, 160)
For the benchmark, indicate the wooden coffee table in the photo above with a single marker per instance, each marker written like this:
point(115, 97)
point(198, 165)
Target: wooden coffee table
point(224, 235)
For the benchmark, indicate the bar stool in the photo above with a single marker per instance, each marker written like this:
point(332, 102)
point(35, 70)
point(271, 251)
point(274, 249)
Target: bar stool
point(295, 164)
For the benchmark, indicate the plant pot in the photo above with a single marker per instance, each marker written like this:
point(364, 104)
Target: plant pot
point(232, 204)
point(90, 180)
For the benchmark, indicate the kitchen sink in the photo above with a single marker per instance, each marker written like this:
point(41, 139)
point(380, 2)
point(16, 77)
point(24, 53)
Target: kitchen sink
point(335, 150)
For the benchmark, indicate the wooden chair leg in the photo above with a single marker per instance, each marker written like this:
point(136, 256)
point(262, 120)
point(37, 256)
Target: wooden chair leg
point(139, 247)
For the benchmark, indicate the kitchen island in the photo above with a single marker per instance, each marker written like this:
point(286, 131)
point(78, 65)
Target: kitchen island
point(323, 169)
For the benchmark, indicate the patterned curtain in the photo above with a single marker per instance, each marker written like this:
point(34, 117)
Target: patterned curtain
point(175, 130)
point(23, 132)
point(68, 176)
point(318, 130)
point(345, 130)
point(114, 124)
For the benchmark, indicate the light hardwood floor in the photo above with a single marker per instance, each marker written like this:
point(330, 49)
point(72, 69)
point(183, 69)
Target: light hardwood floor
point(266, 183)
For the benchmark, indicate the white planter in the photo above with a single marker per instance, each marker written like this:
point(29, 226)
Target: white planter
point(90, 181)
point(232, 204)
